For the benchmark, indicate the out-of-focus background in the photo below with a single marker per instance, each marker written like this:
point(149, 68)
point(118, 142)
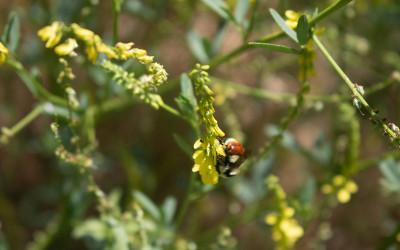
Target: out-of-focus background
point(137, 147)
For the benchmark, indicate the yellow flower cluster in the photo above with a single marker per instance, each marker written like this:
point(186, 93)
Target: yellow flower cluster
point(205, 156)
point(341, 187)
point(208, 148)
point(206, 108)
point(144, 87)
point(3, 53)
point(51, 34)
point(286, 230)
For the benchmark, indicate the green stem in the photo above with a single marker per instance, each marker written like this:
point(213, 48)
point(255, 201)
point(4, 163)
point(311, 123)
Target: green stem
point(323, 14)
point(7, 133)
point(115, 26)
point(170, 109)
point(329, 10)
point(27, 119)
point(356, 94)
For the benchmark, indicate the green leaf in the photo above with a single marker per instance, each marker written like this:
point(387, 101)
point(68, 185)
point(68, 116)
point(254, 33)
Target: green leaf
point(187, 101)
point(187, 89)
point(303, 30)
point(147, 205)
point(196, 45)
point(390, 170)
point(220, 7)
point(274, 47)
point(168, 209)
point(242, 6)
point(94, 228)
point(120, 236)
point(218, 39)
point(282, 24)
point(11, 32)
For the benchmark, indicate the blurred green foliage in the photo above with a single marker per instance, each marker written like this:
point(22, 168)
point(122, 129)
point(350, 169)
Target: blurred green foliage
point(112, 173)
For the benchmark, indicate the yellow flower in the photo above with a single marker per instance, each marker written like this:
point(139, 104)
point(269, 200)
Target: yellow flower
point(3, 53)
point(91, 53)
point(271, 219)
point(51, 34)
point(107, 50)
point(205, 159)
point(343, 196)
point(67, 48)
point(351, 186)
point(83, 34)
point(286, 231)
point(341, 187)
point(126, 51)
point(292, 18)
point(326, 189)
point(338, 180)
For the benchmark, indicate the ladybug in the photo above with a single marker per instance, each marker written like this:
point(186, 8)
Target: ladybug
point(228, 165)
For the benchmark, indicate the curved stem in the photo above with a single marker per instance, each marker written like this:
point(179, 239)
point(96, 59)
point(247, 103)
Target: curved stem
point(7, 133)
point(170, 109)
point(356, 93)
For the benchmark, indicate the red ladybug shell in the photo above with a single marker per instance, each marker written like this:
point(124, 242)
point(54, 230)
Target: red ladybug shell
point(233, 147)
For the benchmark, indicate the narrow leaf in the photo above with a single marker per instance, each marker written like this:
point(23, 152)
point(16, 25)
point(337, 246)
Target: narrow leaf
point(242, 6)
point(11, 32)
point(274, 47)
point(220, 7)
point(187, 89)
point(282, 24)
point(168, 209)
point(147, 205)
point(196, 45)
point(303, 30)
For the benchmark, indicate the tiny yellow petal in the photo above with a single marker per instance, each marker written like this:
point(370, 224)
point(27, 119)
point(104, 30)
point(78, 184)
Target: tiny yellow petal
point(292, 15)
point(198, 154)
point(326, 189)
point(51, 34)
point(3, 53)
point(197, 144)
point(91, 53)
point(82, 33)
point(195, 168)
point(67, 48)
point(288, 212)
point(271, 219)
point(343, 196)
point(338, 180)
point(108, 51)
point(351, 186)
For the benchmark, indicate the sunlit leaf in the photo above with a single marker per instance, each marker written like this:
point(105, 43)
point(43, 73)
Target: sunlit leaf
point(196, 45)
point(147, 204)
point(282, 24)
